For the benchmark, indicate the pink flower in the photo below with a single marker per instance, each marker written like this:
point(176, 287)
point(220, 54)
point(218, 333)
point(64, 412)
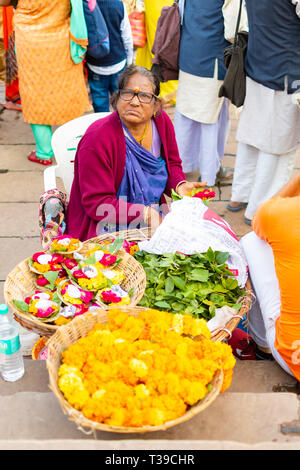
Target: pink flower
point(36, 255)
point(80, 309)
point(41, 281)
point(110, 297)
point(205, 194)
point(70, 263)
point(79, 274)
point(107, 259)
point(85, 296)
point(126, 246)
point(57, 259)
point(45, 313)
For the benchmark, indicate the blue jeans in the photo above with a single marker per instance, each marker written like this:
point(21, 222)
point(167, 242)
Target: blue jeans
point(101, 87)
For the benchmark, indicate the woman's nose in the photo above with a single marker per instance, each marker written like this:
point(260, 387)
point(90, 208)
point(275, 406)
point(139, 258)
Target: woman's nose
point(135, 101)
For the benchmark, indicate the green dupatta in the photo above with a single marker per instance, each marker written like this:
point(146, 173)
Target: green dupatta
point(78, 32)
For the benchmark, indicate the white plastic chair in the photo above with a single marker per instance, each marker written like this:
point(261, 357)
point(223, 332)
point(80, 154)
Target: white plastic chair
point(64, 143)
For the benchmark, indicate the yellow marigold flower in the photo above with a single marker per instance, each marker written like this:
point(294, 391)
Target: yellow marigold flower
point(139, 367)
point(195, 326)
point(118, 417)
point(41, 268)
point(154, 416)
point(99, 394)
point(177, 323)
point(62, 321)
point(141, 391)
point(124, 301)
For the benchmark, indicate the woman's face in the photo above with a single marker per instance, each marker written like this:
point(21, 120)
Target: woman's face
point(134, 112)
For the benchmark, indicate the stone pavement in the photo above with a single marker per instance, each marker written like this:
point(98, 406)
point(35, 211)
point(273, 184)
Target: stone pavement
point(249, 415)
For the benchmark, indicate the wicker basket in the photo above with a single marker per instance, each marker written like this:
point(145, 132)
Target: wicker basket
point(21, 281)
point(79, 327)
point(221, 334)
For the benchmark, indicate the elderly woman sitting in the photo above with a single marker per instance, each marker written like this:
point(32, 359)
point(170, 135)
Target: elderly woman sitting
point(125, 163)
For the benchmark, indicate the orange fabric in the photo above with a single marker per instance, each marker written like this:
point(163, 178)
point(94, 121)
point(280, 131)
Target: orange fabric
point(52, 86)
point(11, 78)
point(277, 221)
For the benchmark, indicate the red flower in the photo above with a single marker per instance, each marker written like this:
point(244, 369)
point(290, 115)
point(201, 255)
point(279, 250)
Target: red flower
point(107, 259)
point(205, 194)
point(36, 255)
point(42, 281)
point(79, 274)
point(70, 263)
point(110, 297)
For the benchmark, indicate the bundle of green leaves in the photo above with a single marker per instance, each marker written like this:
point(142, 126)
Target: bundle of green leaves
point(192, 284)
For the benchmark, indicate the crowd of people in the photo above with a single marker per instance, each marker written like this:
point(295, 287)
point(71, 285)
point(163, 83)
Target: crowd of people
point(128, 161)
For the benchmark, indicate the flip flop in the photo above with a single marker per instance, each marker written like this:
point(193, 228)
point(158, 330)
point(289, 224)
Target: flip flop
point(236, 208)
point(32, 157)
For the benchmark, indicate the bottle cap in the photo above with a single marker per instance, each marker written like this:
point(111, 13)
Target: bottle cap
point(3, 309)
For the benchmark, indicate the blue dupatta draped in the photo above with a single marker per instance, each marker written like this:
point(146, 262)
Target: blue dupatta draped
point(144, 180)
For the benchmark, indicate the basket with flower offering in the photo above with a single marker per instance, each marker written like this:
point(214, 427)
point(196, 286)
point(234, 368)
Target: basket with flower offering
point(43, 305)
point(58, 274)
point(136, 370)
point(65, 244)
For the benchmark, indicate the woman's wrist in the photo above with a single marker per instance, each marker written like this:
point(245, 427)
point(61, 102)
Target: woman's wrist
point(179, 184)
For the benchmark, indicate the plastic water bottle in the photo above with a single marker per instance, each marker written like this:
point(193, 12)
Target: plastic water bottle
point(11, 359)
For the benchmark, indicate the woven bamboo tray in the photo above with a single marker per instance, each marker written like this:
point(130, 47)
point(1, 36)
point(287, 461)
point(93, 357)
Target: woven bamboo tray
point(21, 282)
point(79, 327)
point(221, 334)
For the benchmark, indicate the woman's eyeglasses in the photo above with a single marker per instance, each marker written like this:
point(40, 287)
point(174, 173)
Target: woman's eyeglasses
point(143, 97)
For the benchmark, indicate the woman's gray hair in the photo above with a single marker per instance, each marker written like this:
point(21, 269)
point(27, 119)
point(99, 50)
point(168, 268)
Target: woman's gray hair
point(127, 74)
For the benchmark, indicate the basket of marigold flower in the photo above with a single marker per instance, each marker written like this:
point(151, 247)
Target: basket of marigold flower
point(136, 370)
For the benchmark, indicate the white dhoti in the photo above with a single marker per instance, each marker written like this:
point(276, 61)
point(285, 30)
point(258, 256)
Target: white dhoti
point(268, 136)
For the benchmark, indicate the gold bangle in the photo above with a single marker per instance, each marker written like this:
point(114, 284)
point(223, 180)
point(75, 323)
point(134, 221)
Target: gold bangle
point(180, 182)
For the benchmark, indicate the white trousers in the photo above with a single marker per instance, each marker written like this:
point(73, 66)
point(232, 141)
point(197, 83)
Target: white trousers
point(266, 308)
point(201, 146)
point(258, 175)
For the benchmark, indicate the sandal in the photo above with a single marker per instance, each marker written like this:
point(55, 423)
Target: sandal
point(236, 208)
point(32, 157)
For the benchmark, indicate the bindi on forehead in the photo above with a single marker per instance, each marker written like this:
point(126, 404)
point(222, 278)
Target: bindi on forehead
point(139, 83)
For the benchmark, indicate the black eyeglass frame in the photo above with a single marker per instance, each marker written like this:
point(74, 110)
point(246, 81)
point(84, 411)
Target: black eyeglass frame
point(138, 93)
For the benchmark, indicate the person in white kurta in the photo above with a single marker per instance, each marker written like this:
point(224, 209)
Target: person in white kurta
point(268, 136)
point(201, 118)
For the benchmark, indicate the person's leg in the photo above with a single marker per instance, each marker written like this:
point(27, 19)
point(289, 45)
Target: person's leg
point(42, 136)
point(266, 309)
point(114, 82)
point(99, 86)
point(244, 174)
point(265, 172)
point(283, 173)
point(187, 134)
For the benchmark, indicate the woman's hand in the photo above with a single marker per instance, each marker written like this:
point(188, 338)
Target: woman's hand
point(153, 218)
point(186, 187)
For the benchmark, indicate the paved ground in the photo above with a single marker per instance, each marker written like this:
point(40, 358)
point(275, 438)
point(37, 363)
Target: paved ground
point(249, 414)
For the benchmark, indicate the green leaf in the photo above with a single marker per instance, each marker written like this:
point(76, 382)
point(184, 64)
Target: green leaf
point(222, 257)
point(116, 245)
point(162, 304)
point(210, 255)
point(231, 283)
point(51, 276)
point(175, 196)
point(169, 287)
point(91, 259)
point(200, 275)
point(179, 282)
point(21, 305)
